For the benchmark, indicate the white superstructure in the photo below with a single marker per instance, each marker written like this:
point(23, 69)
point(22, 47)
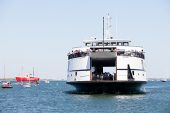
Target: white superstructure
point(88, 63)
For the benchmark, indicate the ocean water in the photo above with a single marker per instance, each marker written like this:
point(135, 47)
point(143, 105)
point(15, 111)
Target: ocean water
point(54, 98)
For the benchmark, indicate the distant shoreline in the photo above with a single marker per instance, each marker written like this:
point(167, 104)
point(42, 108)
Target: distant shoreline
point(157, 79)
point(13, 79)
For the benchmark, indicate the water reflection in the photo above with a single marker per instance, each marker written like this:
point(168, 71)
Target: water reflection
point(130, 97)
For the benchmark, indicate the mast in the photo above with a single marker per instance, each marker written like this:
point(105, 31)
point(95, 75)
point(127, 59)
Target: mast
point(108, 27)
point(4, 71)
point(103, 33)
point(116, 33)
point(22, 68)
point(33, 72)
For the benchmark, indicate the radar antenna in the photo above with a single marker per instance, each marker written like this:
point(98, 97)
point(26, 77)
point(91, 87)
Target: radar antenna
point(108, 27)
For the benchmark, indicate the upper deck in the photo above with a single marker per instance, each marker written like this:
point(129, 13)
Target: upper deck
point(96, 49)
point(110, 44)
point(106, 42)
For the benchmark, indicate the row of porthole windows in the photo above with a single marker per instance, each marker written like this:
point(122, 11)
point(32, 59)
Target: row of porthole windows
point(107, 44)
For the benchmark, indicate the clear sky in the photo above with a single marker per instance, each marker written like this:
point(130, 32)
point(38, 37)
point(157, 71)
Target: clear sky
point(40, 33)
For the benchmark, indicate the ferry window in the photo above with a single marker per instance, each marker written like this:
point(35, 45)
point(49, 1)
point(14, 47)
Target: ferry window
point(100, 43)
point(125, 43)
point(113, 43)
point(94, 44)
point(106, 44)
point(119, 43)
point(87, 44)
point(76, 73)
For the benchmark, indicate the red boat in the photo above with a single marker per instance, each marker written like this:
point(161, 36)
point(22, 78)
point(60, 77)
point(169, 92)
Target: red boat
point(27, 79)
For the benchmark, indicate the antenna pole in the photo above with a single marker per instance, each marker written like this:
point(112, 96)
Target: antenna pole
point(103, 33)
point(116, 28)
point(33, 72)
point(22, 68)
point(4, 72)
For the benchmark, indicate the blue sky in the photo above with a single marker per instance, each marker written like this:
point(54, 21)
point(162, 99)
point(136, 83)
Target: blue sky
point(39, 33)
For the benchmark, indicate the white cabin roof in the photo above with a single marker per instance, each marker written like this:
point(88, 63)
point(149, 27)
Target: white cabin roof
point(105, 40)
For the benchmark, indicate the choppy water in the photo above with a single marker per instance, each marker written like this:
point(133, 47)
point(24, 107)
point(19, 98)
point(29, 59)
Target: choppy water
point(52, 98)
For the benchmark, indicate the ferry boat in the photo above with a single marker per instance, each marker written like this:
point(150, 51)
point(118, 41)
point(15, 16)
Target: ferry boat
point(88, 66)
